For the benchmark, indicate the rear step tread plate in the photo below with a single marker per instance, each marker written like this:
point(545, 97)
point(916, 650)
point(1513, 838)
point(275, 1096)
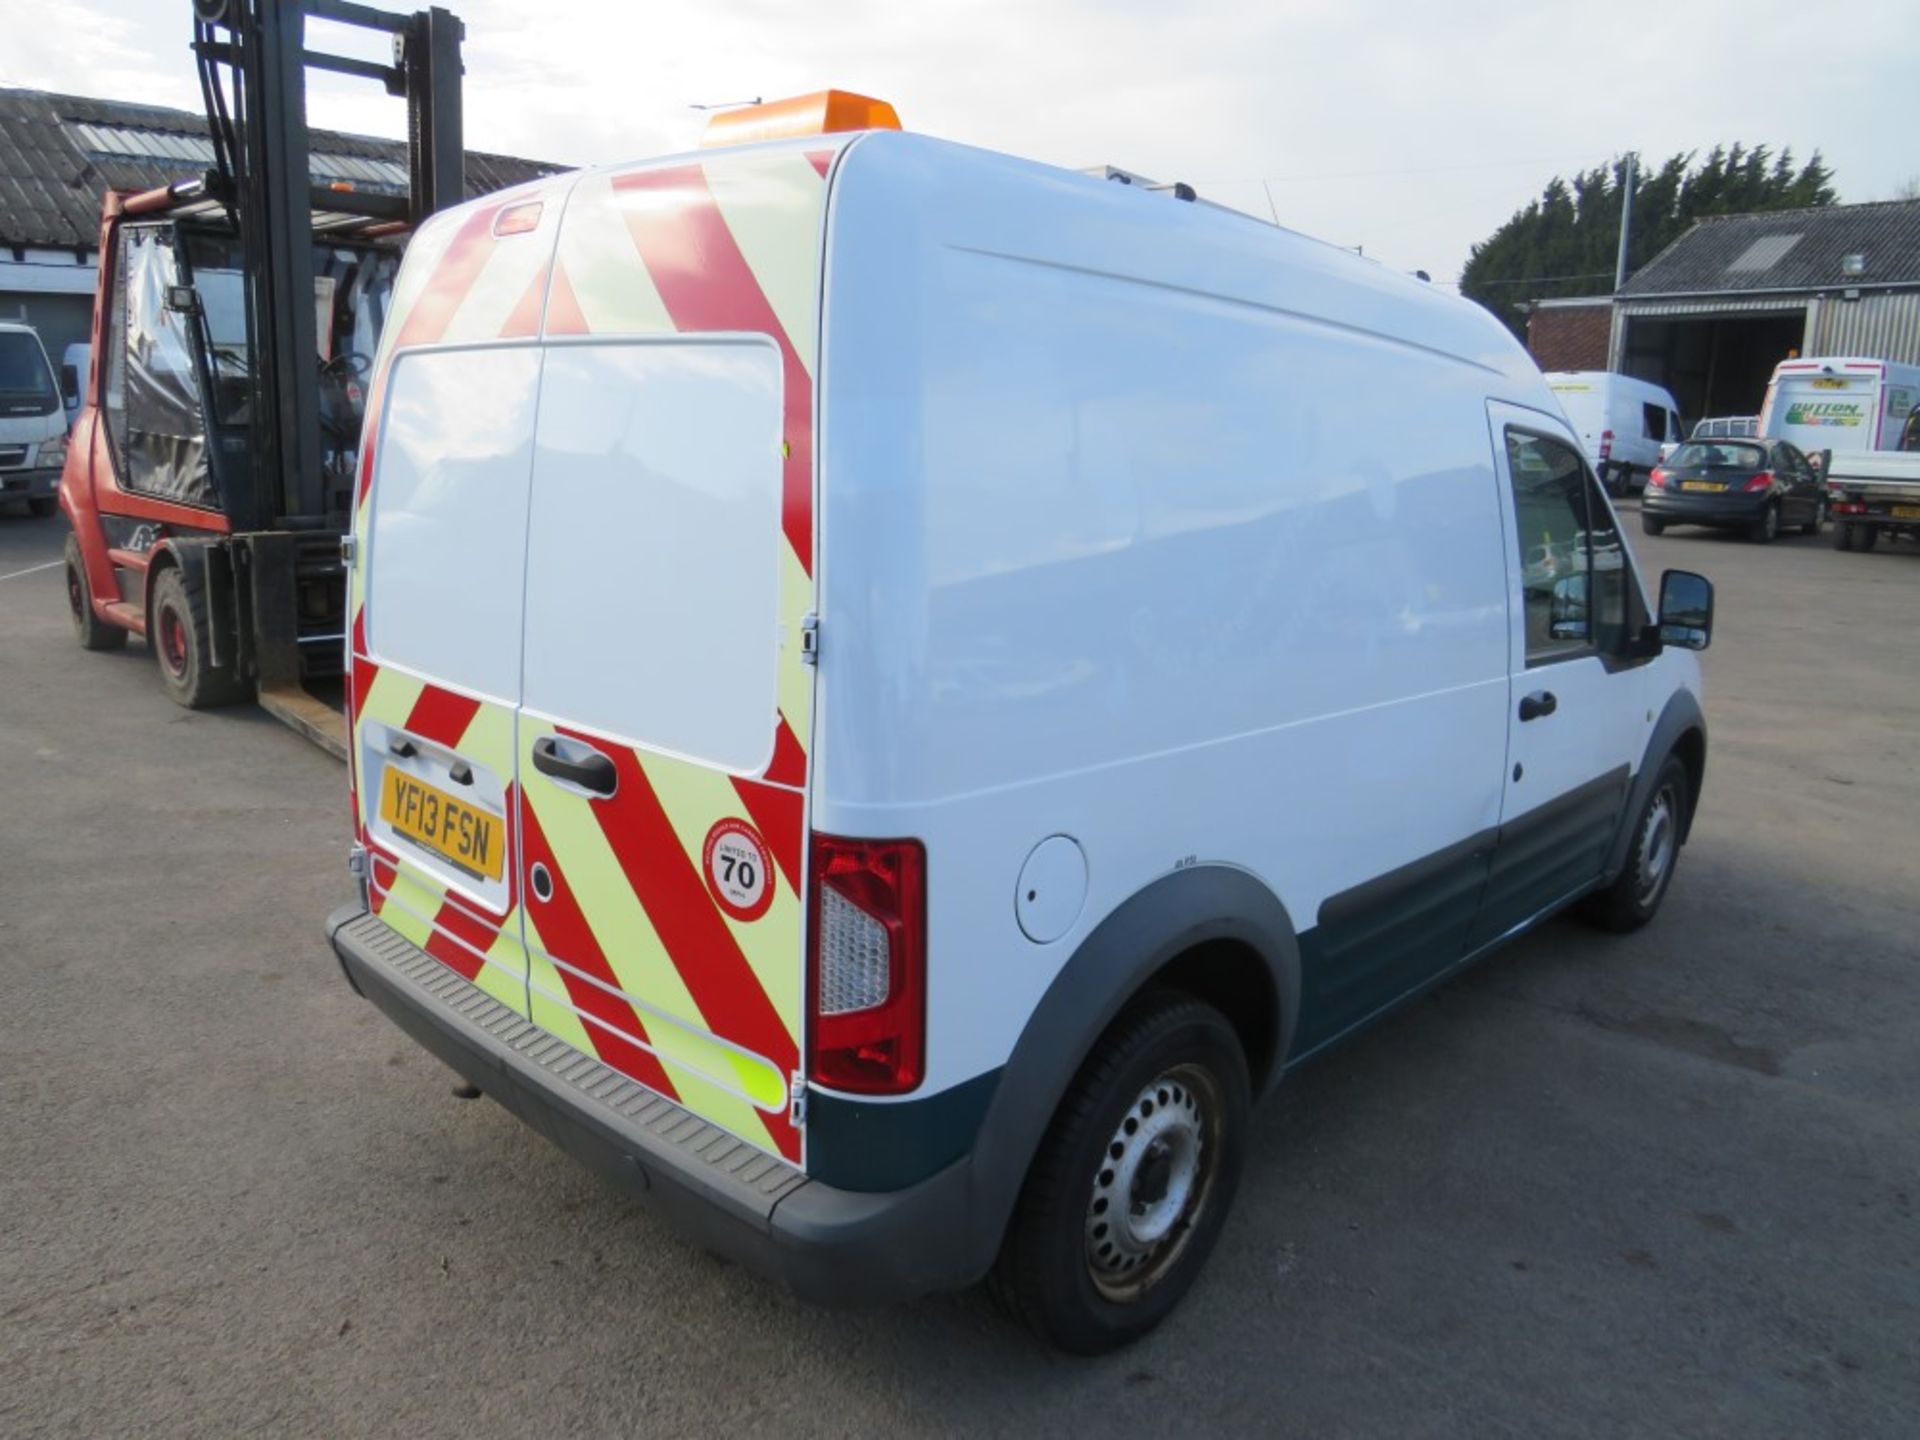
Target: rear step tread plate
point(654, 1132)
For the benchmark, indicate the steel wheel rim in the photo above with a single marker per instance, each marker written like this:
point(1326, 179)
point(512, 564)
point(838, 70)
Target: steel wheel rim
point(1659, 844)
point(173, 641)
point(1154, 1182)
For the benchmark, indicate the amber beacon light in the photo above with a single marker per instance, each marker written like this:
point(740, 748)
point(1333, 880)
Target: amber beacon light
point(823, 113)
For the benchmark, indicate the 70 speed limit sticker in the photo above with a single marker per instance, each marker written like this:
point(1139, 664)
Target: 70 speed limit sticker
point(738, 869)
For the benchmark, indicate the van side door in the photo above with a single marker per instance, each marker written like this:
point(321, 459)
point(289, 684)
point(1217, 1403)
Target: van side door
point(1575, 725)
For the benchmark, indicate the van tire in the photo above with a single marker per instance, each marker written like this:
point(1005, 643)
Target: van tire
point(1652, 524)
point(1843, 536)
point(89, 629)
point(1643, 882)
point(1165, 1049)
point(1865, 537)
point(177, 630)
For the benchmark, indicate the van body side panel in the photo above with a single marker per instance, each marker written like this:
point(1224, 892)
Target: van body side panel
point(670, 560)
point(1115, 547)
point(434, 592)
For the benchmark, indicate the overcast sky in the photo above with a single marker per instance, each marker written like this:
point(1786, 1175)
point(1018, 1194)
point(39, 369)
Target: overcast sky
point(1409, 129)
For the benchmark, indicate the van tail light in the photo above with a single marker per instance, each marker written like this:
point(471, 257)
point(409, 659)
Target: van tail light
point(1762, 481)
point(1606, 444)
point(1656, 478)
point(867, 965)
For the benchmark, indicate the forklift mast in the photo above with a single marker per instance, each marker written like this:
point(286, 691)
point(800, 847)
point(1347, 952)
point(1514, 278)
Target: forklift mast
point(257, 118)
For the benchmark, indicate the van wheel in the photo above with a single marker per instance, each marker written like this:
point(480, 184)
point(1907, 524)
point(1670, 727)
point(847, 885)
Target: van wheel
point(1865, 537)
point(1767, 527)
point(89, 629)
point(1634, 897)
point(1653, 525)
point(177, 630)
point(1133, 1180)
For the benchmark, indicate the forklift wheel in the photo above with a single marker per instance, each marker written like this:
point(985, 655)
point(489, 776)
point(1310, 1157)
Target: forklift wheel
point(89, 629)
point(177, 631)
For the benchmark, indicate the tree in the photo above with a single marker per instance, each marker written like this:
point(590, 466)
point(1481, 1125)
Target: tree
point(1564, 243)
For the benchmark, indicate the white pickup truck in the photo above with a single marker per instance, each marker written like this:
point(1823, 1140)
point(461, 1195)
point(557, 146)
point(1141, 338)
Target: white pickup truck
point(1876, 492)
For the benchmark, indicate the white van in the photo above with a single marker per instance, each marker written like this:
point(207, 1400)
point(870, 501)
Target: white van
point(33, 424)
point(895, 691)
point(1622, 423)
point(1840, 403)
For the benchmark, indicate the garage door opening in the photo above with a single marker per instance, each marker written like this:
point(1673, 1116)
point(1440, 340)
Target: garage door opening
point(1714, 365)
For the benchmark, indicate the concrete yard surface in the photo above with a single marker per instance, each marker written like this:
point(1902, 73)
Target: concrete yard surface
point(1598, 1186)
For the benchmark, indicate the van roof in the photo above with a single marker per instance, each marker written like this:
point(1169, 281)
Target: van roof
point(1150, 237)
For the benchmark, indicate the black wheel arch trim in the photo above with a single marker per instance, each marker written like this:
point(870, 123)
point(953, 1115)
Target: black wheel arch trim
point(1681, 715)
point(1179, 912)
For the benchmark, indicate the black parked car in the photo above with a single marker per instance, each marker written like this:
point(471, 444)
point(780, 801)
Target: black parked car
point(1759, 486)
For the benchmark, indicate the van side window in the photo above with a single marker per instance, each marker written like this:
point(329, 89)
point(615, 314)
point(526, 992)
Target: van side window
point(1653, 422)
point(1573, 566)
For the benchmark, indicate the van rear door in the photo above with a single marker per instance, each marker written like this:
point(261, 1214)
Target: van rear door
point(668, 693)
point(664, 915)
point(435, 590)
point(436, 669)
point(1823, 411)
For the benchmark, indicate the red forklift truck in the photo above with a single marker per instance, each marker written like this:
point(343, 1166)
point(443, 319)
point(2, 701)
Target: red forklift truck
point(211, 474)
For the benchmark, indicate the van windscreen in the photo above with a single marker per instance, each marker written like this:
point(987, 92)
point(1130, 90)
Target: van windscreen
point(26, 384)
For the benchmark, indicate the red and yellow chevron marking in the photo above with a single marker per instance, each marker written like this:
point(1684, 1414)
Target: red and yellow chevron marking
point(632, 959)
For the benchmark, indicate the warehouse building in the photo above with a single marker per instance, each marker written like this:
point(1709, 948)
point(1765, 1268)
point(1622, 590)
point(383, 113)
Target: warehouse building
point(1713, 313)
point(59, 154)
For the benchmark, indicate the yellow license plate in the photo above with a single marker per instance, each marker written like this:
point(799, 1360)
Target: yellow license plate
point(465, 837)
point(1700, 485)
point(1905, 512)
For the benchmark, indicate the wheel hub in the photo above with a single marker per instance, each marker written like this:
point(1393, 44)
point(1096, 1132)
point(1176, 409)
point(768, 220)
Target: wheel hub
point(1151, 1182)
point(173, 641)
point(1659, 839)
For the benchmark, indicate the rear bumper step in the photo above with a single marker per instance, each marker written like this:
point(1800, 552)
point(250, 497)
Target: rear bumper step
point(829, 1246)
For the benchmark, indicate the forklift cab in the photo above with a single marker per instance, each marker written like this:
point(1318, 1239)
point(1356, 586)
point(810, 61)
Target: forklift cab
point(180, 393)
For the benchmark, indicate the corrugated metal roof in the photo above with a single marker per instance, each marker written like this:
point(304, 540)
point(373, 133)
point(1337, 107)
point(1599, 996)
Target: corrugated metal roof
point(1788, 250)
point(59, 154)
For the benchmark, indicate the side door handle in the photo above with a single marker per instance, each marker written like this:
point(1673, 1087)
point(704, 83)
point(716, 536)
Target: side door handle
point(575, 764)
point(1540, 702)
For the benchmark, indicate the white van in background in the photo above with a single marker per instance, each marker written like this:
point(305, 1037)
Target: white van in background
point(1839, 403)
point(1622, 422)
point(33, 423)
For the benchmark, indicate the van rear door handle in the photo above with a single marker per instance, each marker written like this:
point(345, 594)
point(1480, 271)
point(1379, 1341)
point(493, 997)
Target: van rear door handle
point(1540, 702)
point(576, 764)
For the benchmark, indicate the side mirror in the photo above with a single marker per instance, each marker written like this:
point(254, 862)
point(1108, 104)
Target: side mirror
point(183, 299)
point(1567, 611)
point(1686, 610)
point(69, 385)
